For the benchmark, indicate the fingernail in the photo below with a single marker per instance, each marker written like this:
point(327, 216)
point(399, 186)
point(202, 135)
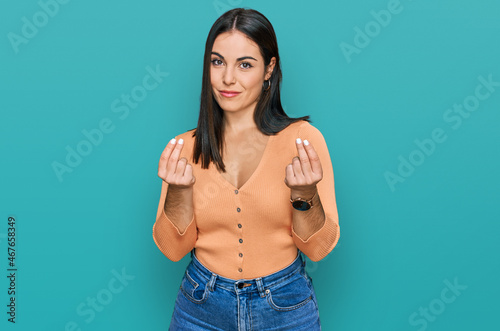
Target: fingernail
point(181, 141)
point(306, 142)
point(298, 141)
point(172, 141)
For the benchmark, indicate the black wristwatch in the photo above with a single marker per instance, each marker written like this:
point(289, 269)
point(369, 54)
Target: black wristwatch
point(302, 204)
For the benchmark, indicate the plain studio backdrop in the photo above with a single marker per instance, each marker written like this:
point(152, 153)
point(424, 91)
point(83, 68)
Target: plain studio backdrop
point(406, 94)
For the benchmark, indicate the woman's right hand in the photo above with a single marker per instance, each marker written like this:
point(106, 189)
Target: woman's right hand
point(174, 171)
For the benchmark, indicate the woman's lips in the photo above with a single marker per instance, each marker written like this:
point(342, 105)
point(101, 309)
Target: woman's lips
point(229, 94)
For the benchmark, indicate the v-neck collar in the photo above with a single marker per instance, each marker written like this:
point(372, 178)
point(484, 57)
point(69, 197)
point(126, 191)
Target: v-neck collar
point(254, 174)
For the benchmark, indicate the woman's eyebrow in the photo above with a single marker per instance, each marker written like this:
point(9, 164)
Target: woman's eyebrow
point(238, 59)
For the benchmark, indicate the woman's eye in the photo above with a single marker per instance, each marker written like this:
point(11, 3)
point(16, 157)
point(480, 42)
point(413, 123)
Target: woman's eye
point(216, 62)
point(246, 65)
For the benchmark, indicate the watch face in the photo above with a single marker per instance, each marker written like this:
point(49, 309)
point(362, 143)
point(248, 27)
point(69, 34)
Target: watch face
point(301, 205)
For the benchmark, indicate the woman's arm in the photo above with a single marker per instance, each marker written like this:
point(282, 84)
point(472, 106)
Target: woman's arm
point(178, 207)
point(174, 231)
point(316, 231)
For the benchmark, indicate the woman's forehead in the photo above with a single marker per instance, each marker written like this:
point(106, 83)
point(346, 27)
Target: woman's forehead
point(235, 44)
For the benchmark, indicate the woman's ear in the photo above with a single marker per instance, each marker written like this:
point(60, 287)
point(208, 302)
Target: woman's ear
point(270, 68)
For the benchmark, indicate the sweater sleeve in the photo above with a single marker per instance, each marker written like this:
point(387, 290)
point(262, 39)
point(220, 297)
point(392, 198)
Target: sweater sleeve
point(322, 242)
point(171, 242)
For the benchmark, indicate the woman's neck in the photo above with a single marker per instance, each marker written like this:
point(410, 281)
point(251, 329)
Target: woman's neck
point(239, 122)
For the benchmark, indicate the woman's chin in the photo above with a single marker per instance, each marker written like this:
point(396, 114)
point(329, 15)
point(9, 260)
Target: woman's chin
point(227, 106)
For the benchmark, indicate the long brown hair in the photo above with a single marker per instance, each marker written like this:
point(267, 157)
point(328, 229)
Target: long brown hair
point(269, 115)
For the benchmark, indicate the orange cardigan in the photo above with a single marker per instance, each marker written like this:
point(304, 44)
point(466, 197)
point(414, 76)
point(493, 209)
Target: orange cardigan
point(247, 233)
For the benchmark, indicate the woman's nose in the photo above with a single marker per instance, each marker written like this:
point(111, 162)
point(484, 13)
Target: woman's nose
point(228, 77)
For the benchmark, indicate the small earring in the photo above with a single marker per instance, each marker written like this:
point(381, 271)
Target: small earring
point(268, 85)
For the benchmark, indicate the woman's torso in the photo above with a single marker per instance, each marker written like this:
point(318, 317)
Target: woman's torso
point(245, 230)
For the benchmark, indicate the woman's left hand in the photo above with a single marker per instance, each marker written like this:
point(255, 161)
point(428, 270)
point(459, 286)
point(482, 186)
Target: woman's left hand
point(305, 171)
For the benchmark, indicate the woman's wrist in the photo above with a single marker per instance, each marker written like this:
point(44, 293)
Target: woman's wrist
point(306, 194)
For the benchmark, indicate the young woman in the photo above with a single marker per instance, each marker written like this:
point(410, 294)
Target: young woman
point(262, 194)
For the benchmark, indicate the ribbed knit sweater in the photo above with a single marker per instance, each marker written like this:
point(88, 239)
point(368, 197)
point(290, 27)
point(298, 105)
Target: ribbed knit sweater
point(247, 233)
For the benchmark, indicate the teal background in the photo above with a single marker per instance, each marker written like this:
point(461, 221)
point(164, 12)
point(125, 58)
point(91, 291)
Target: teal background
point(398, 247)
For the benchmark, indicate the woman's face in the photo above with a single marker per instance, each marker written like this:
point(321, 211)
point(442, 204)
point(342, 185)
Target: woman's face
point(237, 71)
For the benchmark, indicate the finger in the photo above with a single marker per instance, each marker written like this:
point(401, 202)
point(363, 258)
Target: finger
point(304, 158)
point(289, 175)
point(297, 169)
point(174, 157)
point(181, 167)
point(313, 157)
point(165, 155)
point(189, 173)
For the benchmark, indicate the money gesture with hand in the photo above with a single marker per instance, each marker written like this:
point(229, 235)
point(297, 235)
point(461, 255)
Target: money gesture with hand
point(174, 171)
point(305, 171)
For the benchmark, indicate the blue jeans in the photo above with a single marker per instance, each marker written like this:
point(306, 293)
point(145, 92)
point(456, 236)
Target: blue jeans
point(284, 300)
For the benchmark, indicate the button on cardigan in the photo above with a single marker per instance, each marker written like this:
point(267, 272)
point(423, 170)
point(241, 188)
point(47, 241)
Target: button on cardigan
point(246, 232)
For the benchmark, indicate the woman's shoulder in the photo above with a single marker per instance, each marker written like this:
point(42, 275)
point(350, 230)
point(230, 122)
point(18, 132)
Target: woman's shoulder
point(309, 128)
point(186, 135)
point(300, 127)
point(305, 131)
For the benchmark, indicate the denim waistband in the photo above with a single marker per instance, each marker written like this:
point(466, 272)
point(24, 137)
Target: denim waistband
point(249, 285)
